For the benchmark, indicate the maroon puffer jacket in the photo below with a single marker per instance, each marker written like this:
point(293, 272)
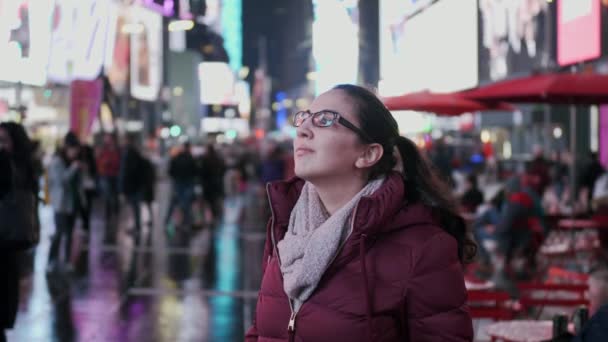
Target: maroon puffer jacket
point(397, 277)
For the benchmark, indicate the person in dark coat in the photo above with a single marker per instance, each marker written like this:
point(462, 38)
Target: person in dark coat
point(89, 184)
point(520, 227)
point(539, 168)
point(365, 243)
point(130, 180)
point(212, 170)
point(472, 197)
point(183, 171)
point(16, 171)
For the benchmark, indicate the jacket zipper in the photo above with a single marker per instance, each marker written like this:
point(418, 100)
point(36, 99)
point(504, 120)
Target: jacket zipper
point(291, 326)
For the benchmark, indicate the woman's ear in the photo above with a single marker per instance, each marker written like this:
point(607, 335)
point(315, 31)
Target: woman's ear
point(370, 156)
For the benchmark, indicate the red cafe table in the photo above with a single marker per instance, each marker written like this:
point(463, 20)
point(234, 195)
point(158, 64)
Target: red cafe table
point(520, 331)
point(599, 224)
point(578, 224)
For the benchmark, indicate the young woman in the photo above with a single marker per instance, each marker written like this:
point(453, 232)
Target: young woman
point(355, 250)
point(67, 197)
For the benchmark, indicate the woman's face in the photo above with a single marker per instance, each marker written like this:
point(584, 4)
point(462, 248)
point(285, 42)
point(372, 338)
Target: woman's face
point(328, 152)
point(5, 141)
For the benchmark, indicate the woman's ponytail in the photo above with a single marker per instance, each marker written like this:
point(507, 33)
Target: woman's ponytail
point(423, 184)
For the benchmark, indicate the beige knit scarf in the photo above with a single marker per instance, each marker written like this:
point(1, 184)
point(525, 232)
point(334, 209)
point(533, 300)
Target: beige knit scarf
point(312, 240)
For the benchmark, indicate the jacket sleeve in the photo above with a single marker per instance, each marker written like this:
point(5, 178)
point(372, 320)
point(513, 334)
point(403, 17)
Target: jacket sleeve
point(252, 333)
point(435, 302)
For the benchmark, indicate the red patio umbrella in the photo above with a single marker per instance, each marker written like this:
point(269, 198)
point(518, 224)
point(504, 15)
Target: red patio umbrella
point(440, 103)
point(547, 88)
point(561, 88)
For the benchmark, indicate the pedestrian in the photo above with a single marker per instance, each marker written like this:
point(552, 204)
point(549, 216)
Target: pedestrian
point(212, 169)
point(183, 171)
point(89, 184)
point(17, 172)
point(131, 182)
point(472, 197)
point(365, 244)
point(108, 168)
point(67, 197)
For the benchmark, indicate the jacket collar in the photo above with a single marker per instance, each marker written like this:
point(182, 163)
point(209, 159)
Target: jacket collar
point(383, 211)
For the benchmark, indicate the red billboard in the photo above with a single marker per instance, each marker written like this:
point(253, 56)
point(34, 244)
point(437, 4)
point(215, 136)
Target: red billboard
point(578, 31)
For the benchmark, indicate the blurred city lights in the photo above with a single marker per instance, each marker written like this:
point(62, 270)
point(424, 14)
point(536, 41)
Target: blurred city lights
point(301, 103)
point(175, 131)
point(181, 25)
point(231, 134)
point(230, 113)
point(557, 132)
point(178, 91)
point(288, 103)
point(47, 93)
point(132, 28)
point(506, 150)
point(244, 72)
point(165, 132)
point(485, 136)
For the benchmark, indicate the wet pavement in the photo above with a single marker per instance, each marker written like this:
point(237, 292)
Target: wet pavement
point(198, 285)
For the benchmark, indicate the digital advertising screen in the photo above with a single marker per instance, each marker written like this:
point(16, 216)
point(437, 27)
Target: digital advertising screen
point(89, 43)
point(25, 35)
point(118, 49)
point(335, 21)
point(578, 31)
point(436, 49)
point(216, 83)
point(78, 39)
point(515, 37)
point(146, 54)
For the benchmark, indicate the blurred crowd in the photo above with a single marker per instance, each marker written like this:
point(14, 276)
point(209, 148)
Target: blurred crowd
point(512, 211)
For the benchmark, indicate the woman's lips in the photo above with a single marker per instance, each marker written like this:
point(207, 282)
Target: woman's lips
point(300, 151)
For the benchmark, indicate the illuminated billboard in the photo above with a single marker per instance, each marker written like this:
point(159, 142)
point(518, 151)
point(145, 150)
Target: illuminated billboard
point(216, 83)
point(78, 36)
point(224, 18)
point(25, 33)
point(514, 37)
point(435, 49)
point(146, 54)
point(578, 31)
point(335, 21)
point(116, 65)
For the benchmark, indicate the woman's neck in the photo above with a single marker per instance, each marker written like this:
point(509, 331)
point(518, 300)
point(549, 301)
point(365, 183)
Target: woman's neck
point(335, 194)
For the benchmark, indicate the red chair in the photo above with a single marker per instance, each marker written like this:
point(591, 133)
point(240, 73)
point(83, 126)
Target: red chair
point(560, 275)
point(539, 295)
point(491, 304)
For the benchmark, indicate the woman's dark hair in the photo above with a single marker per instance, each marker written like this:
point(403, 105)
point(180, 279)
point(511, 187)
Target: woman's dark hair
point(22, 155)
point(421, 179)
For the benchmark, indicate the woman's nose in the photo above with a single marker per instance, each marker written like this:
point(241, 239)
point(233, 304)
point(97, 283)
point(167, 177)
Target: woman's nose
point(304, 131)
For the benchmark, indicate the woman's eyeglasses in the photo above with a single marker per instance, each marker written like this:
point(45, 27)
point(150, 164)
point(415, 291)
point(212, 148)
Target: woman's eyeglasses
point(326, 118)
